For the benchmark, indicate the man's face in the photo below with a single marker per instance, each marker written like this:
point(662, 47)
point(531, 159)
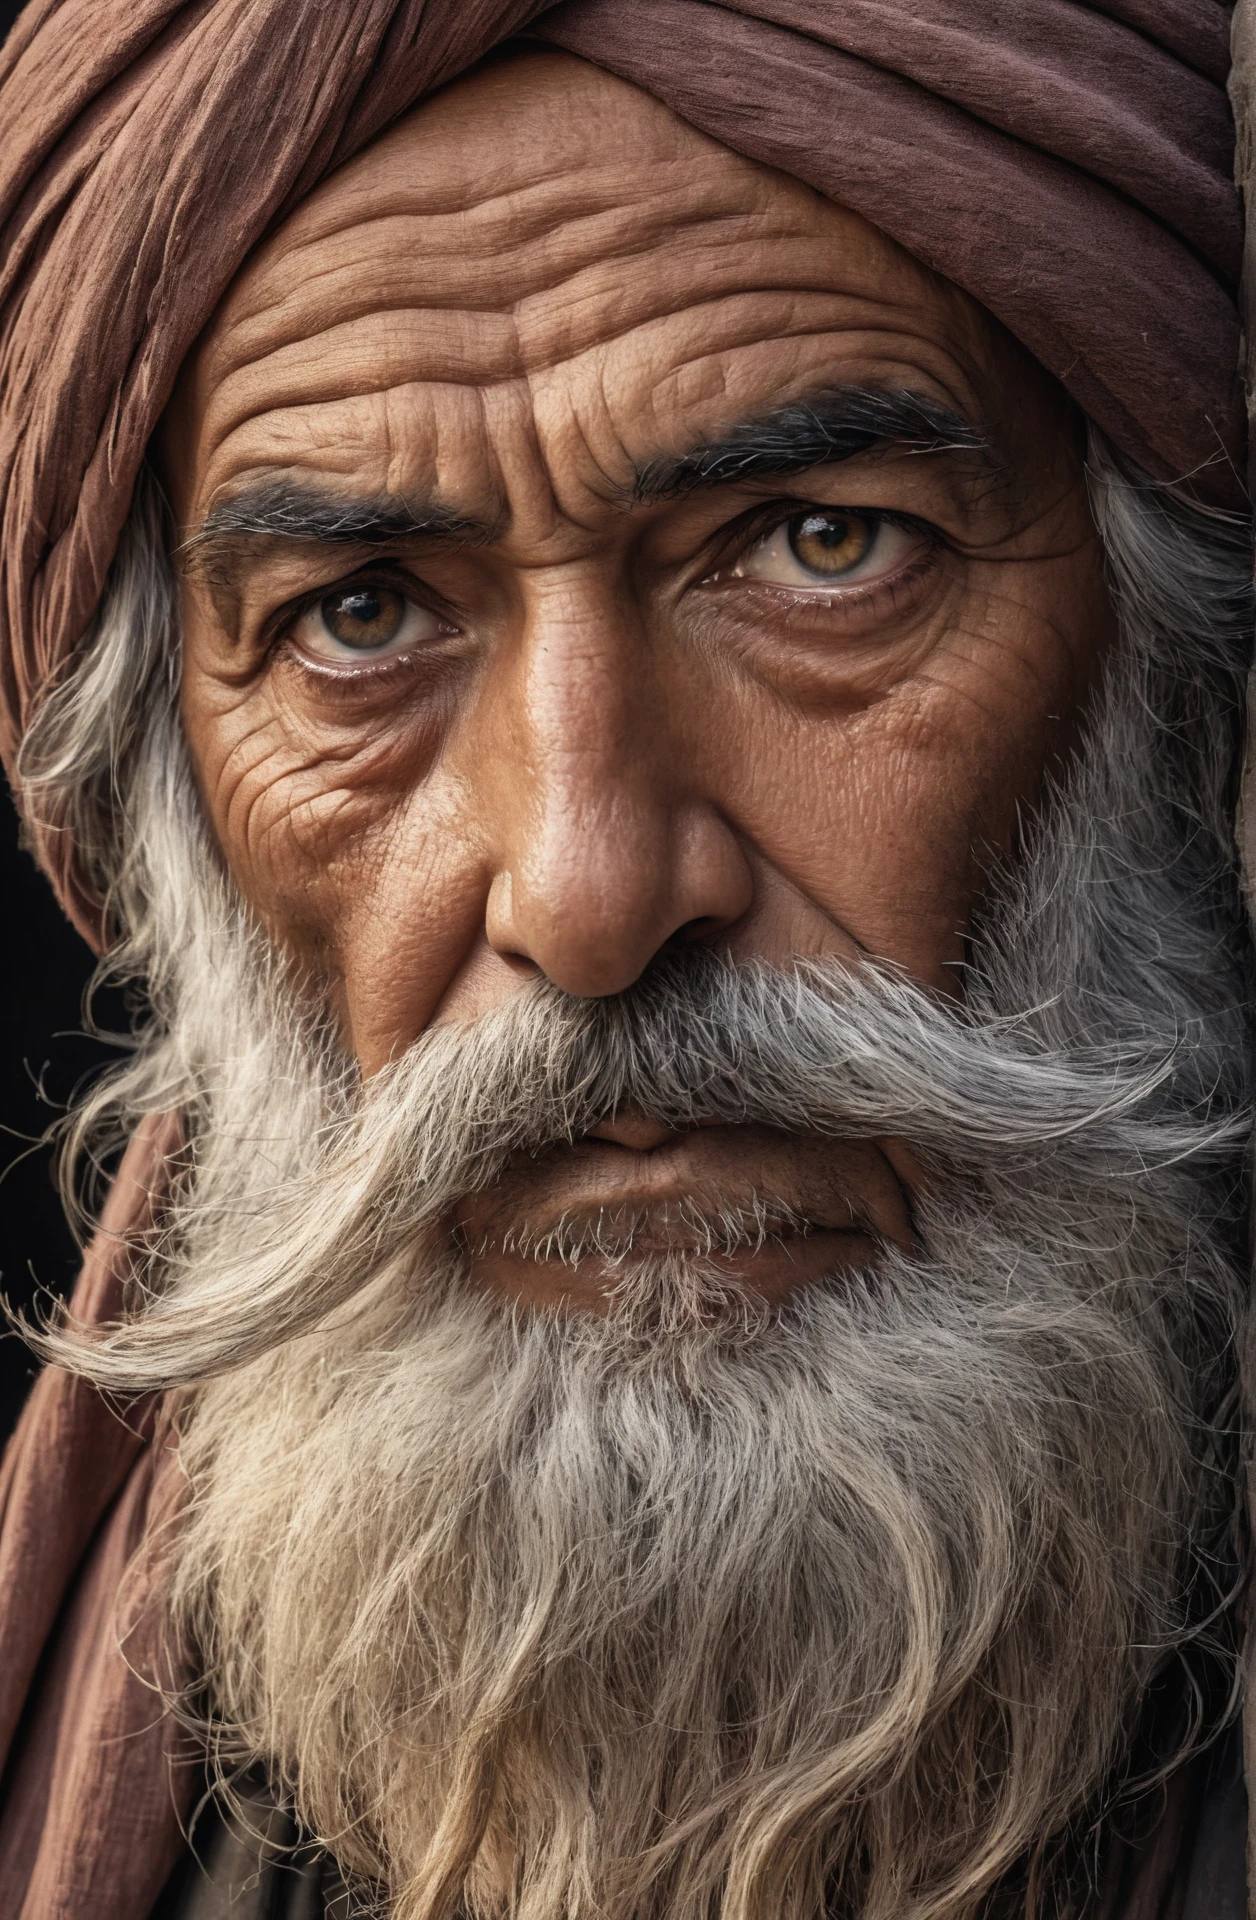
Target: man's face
point(535, 626)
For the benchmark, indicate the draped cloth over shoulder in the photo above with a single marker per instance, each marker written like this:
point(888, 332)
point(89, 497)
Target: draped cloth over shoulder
point(96, 1774)
point(1068, 164)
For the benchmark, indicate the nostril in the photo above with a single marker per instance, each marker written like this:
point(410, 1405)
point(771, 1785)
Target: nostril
point(519, 963)
point(699, 928)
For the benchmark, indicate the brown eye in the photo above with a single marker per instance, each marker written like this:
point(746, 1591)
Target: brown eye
point(364, 617)
point(829, 549)
point(829, 544)
point(361, 623)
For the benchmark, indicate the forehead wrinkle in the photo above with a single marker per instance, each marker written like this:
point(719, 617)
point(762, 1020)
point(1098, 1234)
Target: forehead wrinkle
point(520, 144)
point(366, 283)
point(375, 427)
point(596, 193)
point(297, 379)
point(551, 316)
point(431, 435)
point(386, 315)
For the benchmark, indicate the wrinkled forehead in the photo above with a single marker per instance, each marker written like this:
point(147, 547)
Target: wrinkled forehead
point(546, 251)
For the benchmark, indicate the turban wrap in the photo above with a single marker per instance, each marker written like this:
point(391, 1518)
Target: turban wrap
point(1069, 165)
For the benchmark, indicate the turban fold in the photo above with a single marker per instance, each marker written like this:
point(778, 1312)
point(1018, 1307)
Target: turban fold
point(1069, 165)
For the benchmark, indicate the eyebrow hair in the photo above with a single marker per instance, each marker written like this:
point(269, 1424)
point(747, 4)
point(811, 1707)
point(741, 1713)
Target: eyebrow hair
point(791, 439)
point(288, 510)
point(818, 432)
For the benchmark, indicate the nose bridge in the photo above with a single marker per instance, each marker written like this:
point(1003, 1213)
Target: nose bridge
point(596, 768)
point(605, 847)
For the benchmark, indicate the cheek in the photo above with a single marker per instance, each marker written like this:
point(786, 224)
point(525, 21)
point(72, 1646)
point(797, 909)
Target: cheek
point(304, 803)
point(886, 820)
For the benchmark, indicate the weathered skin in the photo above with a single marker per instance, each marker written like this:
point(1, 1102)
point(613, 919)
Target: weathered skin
point(608, 726)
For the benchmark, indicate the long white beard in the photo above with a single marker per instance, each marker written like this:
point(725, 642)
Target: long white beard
point(847, 1609)
point(702, 1607)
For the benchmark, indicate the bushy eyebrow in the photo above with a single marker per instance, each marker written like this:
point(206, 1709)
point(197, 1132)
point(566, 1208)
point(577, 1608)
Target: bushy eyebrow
point(285, 510)
point(818, 432)
point(791, 439)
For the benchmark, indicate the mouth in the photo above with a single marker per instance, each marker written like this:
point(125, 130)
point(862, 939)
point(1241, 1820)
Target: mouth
point(765, 1211)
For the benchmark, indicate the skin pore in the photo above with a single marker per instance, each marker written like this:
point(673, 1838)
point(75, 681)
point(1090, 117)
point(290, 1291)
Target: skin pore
point(513, 647)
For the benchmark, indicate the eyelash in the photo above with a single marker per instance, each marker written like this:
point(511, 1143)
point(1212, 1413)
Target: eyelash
point(735, 541)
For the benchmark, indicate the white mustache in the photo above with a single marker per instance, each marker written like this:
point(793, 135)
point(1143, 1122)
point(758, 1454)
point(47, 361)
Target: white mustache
point(817, 1048)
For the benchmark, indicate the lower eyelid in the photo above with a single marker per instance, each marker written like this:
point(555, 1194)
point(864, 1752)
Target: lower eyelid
point(913, 564)
point(329, 668)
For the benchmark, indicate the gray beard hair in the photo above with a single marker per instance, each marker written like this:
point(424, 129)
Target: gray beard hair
point(709, 1608)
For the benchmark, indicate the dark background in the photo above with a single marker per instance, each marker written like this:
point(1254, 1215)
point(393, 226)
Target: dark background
point(44, 1054)
point(45, 967)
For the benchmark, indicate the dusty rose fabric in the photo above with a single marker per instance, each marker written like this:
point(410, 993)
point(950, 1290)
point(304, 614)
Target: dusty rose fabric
point(1068, 164)
point(95, 1775)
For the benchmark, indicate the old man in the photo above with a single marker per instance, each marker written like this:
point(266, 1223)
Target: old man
point(632, 622)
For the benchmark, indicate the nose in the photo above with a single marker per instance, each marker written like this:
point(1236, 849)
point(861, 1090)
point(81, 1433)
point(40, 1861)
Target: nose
point(609, 847)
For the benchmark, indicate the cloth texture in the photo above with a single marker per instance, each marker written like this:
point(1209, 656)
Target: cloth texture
point(95, 1775)
point(1069, 165)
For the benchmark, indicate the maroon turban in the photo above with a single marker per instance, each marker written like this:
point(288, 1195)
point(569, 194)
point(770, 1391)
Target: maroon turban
point(1069, 165)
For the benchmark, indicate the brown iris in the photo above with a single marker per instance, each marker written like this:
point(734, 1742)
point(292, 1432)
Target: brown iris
point(365, 617)
point(831, 543)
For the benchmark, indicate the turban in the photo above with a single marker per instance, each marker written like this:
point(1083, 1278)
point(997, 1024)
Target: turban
point(1069, 165)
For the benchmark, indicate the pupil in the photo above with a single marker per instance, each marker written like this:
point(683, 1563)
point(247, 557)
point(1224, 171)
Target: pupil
point(364, 617)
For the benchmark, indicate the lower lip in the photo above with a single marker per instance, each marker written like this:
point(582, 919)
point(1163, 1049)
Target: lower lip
point(774, 1271)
